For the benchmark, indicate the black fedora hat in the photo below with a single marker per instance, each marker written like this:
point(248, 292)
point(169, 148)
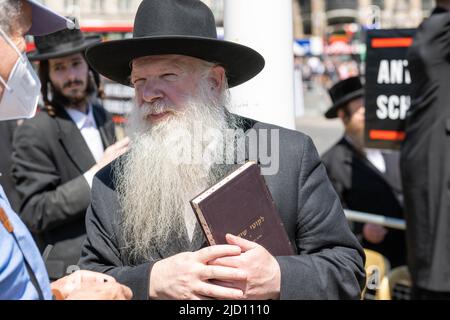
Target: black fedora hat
point(184, 27)
point(343, 92)
point(60, 44)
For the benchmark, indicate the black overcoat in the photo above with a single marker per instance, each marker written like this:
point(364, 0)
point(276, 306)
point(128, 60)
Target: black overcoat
point(426, 155)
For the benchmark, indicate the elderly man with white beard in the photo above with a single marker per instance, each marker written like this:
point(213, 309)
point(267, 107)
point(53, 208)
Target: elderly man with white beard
point(140, 227)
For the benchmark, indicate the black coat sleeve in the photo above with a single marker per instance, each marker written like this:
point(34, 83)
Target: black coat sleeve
point(335, 169)
point(46, 203)
point(330, 264)
point(101, 252)
point(337, 172)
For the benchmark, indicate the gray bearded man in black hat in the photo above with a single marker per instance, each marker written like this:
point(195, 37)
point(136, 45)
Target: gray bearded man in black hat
point(57, 153)
point(366, 180)
point(140, 227)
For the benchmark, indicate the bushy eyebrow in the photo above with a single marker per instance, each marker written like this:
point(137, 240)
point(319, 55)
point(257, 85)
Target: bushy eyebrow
point(181, 67)
point(72, 60)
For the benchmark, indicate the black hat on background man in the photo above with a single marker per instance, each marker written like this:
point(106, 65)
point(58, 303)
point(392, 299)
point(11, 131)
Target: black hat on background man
point(183, 27)
point(342, 93)
point(61, 44)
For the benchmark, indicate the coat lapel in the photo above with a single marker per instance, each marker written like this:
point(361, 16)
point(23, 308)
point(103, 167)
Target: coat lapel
point(181, 242)
point(369, 164)
point(105, 126)
point(176, 245)
point(73, 142)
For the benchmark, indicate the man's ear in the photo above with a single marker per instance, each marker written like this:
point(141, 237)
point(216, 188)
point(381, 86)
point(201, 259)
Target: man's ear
point(216, 78)
point(342, 115)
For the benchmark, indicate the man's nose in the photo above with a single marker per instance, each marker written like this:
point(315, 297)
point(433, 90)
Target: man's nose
point(72, 74)
point(152, 91)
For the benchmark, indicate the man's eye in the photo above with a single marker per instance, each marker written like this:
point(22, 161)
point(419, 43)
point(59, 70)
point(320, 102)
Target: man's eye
point(170, 76)
point(138, 82)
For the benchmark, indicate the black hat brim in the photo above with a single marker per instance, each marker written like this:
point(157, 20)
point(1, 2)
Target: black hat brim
point(332, 111)
point(65, 50)
point(113, 59)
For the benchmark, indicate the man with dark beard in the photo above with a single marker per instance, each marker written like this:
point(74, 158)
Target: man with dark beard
point(57, 153)
point(140, 228)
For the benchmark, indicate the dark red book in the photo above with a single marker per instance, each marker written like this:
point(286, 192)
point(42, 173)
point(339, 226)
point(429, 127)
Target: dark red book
point(241, 204)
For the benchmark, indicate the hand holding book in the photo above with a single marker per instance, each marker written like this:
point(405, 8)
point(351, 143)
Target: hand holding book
point(263, 275)
point(241, 204)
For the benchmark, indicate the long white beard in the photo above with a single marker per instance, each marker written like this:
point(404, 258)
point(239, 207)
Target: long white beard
point(170, 163)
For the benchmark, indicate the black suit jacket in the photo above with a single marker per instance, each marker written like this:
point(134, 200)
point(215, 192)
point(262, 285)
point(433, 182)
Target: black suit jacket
point(330, 261)
point(426, 155)
point(362, 187)
point(49, 159)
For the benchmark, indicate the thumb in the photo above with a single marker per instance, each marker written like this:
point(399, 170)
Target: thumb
point(244, 244)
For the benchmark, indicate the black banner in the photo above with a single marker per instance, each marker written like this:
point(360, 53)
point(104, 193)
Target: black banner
point(387, 87)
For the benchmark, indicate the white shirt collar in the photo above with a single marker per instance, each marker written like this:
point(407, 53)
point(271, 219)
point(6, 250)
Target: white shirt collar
point(375, 156)
point(81, 119)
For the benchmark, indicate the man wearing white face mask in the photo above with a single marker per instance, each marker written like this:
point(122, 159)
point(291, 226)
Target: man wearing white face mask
point(22, 271)
point(57, 153)
point(21, 91)
point(19, 107)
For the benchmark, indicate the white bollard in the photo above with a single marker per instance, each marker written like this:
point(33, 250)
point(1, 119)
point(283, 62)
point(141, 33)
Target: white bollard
point(266, 26)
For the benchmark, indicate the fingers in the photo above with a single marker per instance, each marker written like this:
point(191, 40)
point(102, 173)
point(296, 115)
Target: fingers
point(374, 233)
point(218, 292)
point(376, 229)
point(223, 273)
point(126, 293)
point(113, 152)
point(116, 150)
point(91, 276)
point(122, 143)
point(200, 297)
point(120, 152)
point(213, 252)
point(232, 262)
point(101, 291)
point(241, 285)
point(119, 147)
point(244, 244)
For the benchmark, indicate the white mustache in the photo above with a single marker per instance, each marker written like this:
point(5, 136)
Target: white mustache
point(157, 107)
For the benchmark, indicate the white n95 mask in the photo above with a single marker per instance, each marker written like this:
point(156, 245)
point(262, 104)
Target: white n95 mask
point(22, 89)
